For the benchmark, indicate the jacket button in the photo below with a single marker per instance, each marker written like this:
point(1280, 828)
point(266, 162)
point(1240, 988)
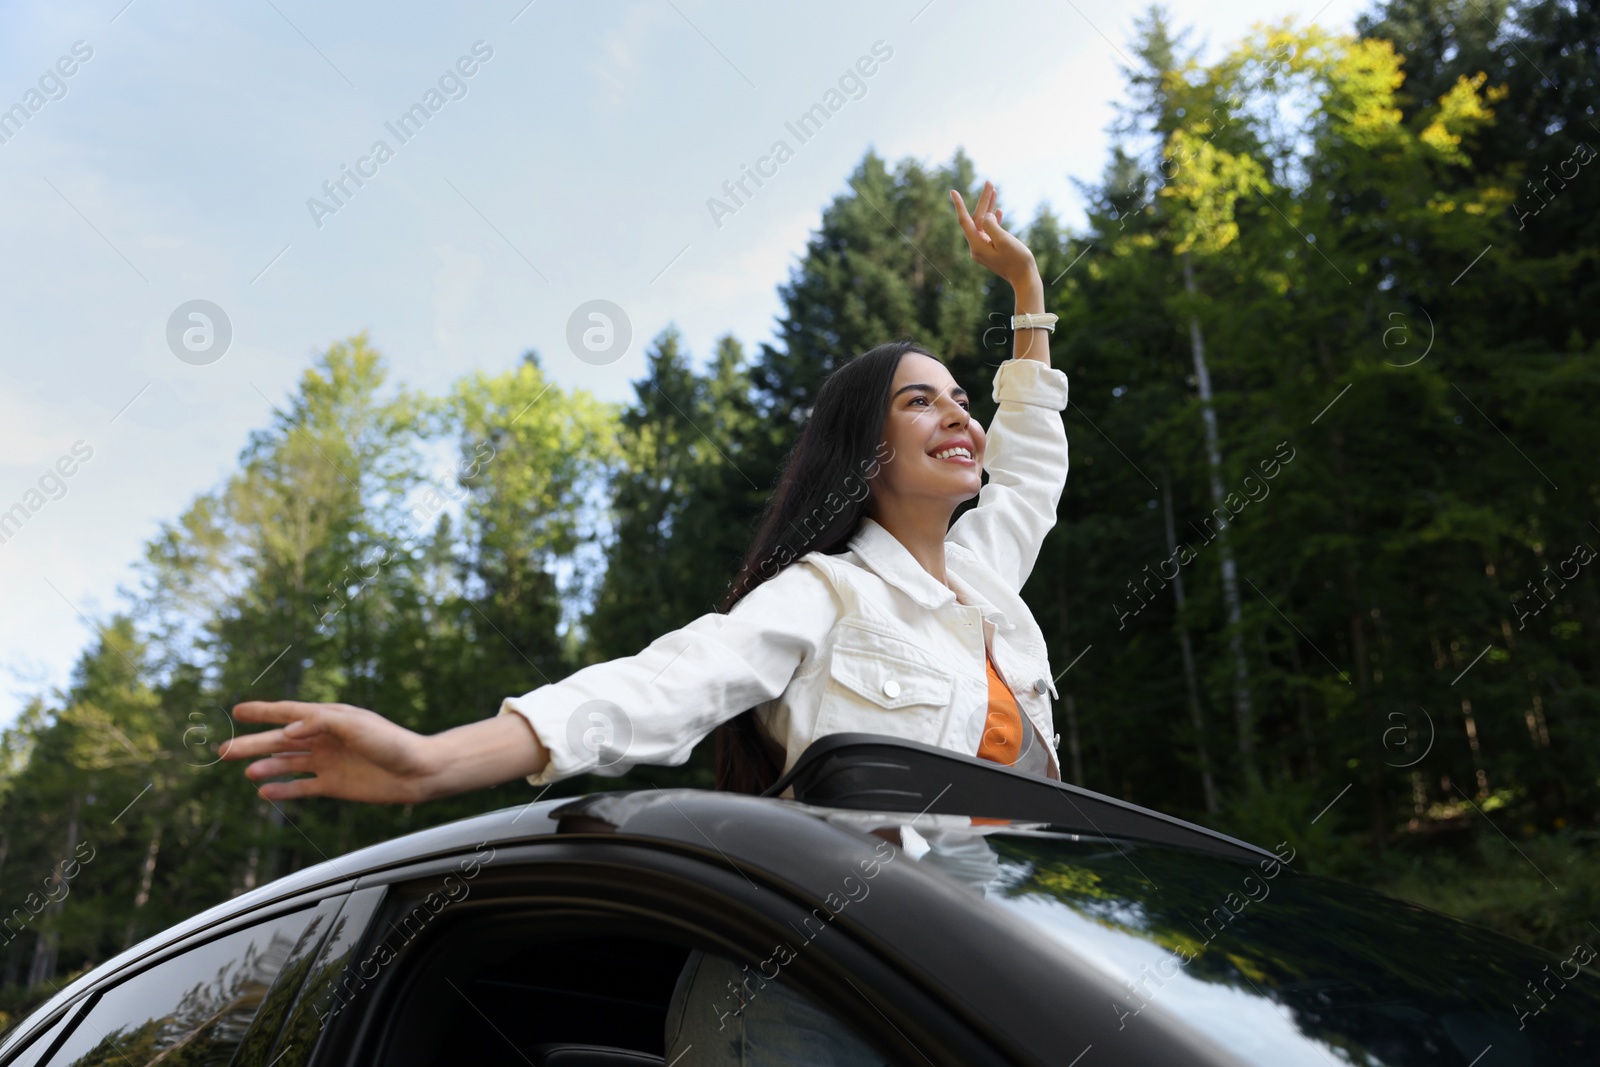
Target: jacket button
point(891, 689)
point(1041, 686)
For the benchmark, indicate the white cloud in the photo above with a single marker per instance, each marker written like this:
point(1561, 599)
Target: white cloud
point(617, 63)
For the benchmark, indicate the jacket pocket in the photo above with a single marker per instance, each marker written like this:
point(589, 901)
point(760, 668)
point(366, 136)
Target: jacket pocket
point(872, 692)
point(888, 681)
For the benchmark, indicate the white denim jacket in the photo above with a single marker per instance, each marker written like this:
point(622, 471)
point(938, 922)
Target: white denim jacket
point(865, 640)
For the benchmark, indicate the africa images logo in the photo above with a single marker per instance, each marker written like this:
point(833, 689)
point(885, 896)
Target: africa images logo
point(52, 85)
point(852, 84)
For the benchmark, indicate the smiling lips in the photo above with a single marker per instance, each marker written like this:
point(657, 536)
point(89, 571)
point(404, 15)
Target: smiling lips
point(954, 453)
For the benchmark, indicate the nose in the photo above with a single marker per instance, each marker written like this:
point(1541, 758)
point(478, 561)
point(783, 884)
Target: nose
point(955, 416)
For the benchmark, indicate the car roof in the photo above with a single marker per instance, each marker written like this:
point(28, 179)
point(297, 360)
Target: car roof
point(856, 774)
point(859, 773)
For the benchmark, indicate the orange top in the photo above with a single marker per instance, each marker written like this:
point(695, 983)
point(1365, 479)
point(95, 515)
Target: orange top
point(1002, 730)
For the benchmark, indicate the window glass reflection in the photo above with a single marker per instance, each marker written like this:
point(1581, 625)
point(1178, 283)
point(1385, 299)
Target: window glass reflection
point(189, 1011)
point(1286, 969)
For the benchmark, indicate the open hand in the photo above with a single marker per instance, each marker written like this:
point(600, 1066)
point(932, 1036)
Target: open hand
point(988, 241)
point(353, 753)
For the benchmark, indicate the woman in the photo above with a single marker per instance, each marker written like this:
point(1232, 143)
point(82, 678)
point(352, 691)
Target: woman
point(858, 608)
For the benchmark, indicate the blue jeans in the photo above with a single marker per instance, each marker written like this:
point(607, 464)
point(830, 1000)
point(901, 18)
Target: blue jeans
point(725, 1014)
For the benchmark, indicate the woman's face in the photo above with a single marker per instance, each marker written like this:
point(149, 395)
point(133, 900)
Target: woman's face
point(933, 448)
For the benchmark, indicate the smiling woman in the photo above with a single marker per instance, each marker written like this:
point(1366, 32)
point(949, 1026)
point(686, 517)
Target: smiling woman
point(881, 617)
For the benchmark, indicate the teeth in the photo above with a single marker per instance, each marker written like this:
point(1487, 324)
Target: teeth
point(957, 451)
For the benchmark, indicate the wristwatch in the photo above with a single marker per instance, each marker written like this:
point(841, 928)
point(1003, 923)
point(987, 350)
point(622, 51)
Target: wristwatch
point(1034, 321)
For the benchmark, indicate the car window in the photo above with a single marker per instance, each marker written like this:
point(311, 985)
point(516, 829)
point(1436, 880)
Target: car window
point(325, 979)
point(1286, 969)
point(721, 1008)
point(189, 1010)
point(508, 979)
point(36, 1050)
point(613, 999)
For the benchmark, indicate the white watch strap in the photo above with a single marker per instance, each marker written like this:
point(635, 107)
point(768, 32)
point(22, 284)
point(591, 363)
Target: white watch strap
point(1034, 321)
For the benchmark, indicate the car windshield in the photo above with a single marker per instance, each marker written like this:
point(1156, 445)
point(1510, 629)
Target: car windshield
point(1282, 968)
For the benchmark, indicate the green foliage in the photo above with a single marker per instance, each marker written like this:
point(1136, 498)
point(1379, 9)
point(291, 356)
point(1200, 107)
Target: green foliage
point(1282, 813)
point(1539, 888)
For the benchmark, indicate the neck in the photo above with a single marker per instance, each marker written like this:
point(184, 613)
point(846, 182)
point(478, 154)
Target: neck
point(921, 531)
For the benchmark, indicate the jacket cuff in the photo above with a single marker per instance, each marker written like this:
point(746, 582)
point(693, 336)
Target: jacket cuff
point(1030, 381)
point(547, 722)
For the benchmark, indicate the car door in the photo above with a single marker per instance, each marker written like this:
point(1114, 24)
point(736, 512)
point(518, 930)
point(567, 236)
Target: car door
point(574, 947)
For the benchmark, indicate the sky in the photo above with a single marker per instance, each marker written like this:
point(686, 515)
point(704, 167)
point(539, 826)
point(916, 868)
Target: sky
point(159, 153)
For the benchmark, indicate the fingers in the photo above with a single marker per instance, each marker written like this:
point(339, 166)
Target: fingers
point(282, 763)
point(304, 720)
point(274, 710)
point(978, 242)
point(983, 228)
point(292, 790)
point(286, 763)
point(989, 210)
point(281, 751)
point(264, 743)
point(316, 720)
point(963, 218)
point(986, 201)
point(998, 237)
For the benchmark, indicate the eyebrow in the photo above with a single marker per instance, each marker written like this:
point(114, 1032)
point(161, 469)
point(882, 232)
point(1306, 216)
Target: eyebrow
point(956, 391)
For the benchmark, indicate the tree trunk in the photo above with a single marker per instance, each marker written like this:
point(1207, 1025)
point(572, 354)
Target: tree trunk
point(1068, 704)
point(1307, 732)
point(1355, 603)
point(1191, 683)
point(1074, 746)
point(252, 865)
point(1243, 715)
point(13, 957)
point(147, 874)
point(275, 858)
point(1470, 722)
point(44, 953)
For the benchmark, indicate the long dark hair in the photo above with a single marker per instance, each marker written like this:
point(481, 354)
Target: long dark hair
point(817, 507)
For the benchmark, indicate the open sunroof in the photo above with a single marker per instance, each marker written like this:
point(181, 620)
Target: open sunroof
point(871, 772)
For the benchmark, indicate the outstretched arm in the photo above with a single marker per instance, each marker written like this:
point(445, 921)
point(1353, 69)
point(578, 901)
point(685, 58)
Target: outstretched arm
point(356, 754)
point(1026, 454)
point(649, 708)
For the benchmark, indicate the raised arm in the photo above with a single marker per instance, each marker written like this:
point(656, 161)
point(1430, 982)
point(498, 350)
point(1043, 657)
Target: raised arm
point(1026, 453)
point(649, 708)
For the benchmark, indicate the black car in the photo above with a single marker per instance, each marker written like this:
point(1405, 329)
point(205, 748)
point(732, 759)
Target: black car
point(943, 909)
